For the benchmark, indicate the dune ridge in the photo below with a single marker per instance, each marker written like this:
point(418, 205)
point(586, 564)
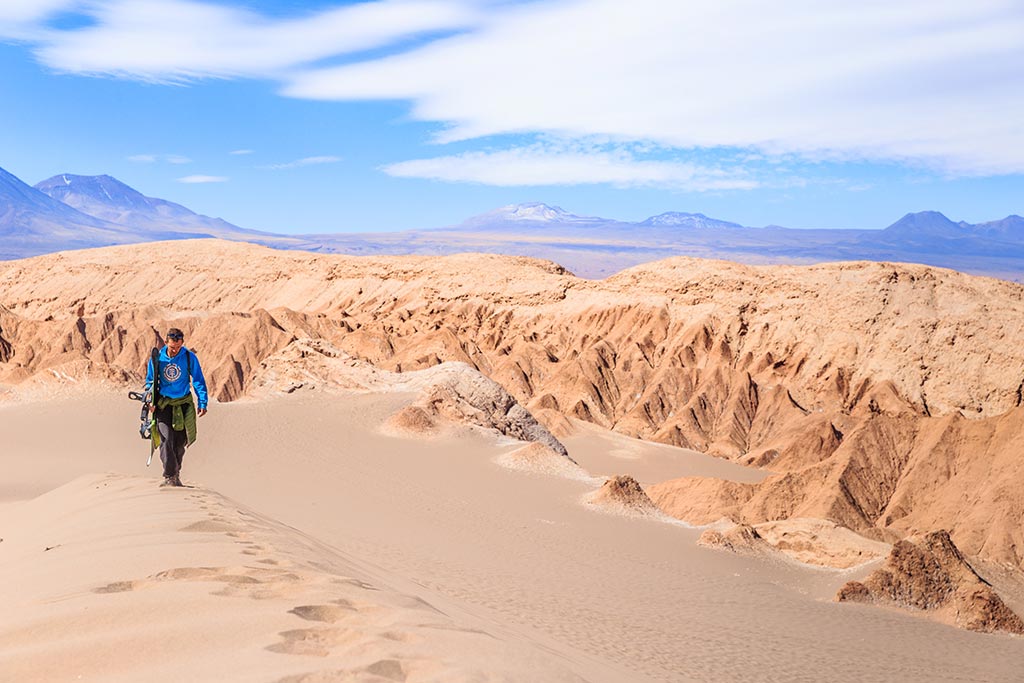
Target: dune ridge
point(201, 588)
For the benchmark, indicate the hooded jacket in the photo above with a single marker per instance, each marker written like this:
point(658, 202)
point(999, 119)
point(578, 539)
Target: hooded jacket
point(175, 376)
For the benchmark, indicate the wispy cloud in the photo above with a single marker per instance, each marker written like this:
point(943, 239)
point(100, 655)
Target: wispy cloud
point(194, 179)
point(154, 158)
point(182, 40)
point(308, 161)
point(541, 165)
point(239, 152)
point(33, 10)
point(24, 19)
point(932, 83)
point(924, 83)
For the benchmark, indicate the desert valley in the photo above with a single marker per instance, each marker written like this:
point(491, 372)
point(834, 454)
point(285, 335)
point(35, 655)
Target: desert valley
point(506, 341)
point(482, 467)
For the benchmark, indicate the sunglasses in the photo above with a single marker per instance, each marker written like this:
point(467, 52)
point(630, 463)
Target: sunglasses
point(176, 337)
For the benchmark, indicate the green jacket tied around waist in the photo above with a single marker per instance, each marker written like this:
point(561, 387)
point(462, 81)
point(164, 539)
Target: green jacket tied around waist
point(183, 416)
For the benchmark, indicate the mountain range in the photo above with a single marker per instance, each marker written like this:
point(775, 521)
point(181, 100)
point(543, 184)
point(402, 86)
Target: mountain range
point(111, 200)
point(72, 212)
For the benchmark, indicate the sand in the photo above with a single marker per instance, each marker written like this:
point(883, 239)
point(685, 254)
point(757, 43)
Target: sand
point(297, 505)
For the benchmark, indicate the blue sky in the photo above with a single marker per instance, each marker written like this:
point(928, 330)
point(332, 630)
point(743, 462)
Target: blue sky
point(350, 116)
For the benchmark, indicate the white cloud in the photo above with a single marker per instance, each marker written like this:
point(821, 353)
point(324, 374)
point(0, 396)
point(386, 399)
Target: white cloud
point(193, 179)
point(239, 152)
point(33, 10)
point(540, 165)
point(930, 83)
point(180, 40)
point(21, 19)
point(935, 83)
point(308, 161)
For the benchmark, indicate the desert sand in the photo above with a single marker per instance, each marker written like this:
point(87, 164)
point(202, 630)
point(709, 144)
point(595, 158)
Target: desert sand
point(310, 543)
point(483, 468)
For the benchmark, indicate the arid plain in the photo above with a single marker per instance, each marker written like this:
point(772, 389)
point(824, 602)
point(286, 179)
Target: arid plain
point(478, 467)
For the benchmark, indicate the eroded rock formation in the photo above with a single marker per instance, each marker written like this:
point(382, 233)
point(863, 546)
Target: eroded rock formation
point(623, 494)
point(880, 393)
point(741, 538)
point(931, 575)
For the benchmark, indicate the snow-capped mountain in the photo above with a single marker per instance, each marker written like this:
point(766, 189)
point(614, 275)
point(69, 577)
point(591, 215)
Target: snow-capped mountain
point(33, 223)
point(111, 200)
point(108, 197)
point(530, 214)
point(20, 201)
point(687, 220)
point(536, 215)
point(536, 211)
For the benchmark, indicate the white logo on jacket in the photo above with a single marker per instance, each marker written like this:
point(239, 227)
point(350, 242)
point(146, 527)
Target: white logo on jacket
point(171, 372)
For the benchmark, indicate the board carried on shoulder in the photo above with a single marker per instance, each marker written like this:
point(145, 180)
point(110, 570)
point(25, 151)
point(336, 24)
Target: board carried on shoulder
point(147, 418)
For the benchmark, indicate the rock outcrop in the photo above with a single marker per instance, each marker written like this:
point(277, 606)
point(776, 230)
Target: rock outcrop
point(450, 393)
point(623, 495)
point(931, 575)
point(457, 393)
point(741, 538)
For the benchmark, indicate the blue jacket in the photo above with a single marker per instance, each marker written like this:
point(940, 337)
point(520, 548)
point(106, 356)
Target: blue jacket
point(174, 376)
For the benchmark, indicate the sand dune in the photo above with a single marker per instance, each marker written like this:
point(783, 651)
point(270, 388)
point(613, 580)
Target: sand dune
point(515, 554)
point(109, 578)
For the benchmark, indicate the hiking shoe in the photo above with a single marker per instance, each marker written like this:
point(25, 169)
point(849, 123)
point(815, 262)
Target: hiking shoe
point(177, 480)
point(168, 481)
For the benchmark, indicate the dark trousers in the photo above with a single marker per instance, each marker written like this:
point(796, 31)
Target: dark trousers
point(172, 443)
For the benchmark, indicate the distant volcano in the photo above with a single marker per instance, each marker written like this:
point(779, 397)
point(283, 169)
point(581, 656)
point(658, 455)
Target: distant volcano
point(109, 199)
point(688, 220)
point(33, 223)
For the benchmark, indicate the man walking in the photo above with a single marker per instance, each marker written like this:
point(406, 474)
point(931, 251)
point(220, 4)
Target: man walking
point(175, 411)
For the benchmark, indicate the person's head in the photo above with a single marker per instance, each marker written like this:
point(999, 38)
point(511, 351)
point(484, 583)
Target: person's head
point(175, 338)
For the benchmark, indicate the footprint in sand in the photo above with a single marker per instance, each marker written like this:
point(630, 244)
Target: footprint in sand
point(390, 669)
point(188, 573)
point(321, 642)
point(386, 669)
point(317, 642)
point(118, 587)
point(209, 525)
point(253, 582)
point(328, 614)
point(357, 583)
